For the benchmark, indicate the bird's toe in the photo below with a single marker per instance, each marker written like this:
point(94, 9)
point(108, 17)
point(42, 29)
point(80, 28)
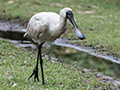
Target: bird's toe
point(35, 73)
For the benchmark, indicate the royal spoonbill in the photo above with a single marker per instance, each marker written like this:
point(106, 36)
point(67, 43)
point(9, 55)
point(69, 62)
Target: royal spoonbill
point(48, 26)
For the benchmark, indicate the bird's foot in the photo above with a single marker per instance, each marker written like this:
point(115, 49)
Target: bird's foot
point(35, 73)
point(43, 83)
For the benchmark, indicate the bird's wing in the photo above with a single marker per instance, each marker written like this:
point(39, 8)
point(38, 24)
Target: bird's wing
point(37, 26)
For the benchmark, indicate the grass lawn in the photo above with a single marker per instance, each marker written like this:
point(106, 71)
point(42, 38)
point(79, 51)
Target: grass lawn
point(99, 20)
point(16, 65)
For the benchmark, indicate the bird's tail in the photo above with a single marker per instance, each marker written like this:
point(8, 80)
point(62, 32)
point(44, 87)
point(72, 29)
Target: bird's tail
point(25, 35)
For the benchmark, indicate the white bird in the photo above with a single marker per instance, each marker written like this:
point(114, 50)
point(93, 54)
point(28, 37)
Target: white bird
point(48, 26)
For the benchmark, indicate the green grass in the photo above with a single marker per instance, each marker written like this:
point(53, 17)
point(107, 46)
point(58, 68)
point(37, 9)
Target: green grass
point(16, 64)
point(105, 20)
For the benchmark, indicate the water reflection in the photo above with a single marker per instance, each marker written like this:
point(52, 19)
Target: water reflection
point(82, 59)
point(75, 57)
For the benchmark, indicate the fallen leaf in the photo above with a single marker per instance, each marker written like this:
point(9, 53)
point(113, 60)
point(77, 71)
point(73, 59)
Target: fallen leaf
point(85, 12)
point(92, 29)
point(2, 54)
point(37, 3)
point(58, 4)
point(89, 12)
point(60, 83)
point(110, 21)
point(116, 36)
point(68, 65)
point(116, 17)
point(1, 67)
point(100, 78)
point(28, 3)
point(35, 12)
point(110, 15)
point(35, 50)
point(10, 2)
point(4, 11)
point(100, 17)
point(24, 61)
point(79, 12)
point(14, 84)
point(93, 16)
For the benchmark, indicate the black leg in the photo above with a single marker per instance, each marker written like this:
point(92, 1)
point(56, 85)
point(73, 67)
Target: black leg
point(41, 63)
point(35, 71)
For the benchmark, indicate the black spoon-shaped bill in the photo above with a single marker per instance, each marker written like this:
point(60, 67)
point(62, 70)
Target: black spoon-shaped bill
point(79, 34)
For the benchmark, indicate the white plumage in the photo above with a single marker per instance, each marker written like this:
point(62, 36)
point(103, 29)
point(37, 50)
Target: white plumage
point(47, 26)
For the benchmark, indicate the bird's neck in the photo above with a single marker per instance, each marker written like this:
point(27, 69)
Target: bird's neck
point(60, 27)
point(62, 23)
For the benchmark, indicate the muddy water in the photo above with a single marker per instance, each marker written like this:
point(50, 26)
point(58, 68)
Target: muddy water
point(85, 60)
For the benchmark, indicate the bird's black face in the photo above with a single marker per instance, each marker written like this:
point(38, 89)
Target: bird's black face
point(69, 15)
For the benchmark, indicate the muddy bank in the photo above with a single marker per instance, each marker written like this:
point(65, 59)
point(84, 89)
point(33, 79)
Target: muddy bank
point(13, 31)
